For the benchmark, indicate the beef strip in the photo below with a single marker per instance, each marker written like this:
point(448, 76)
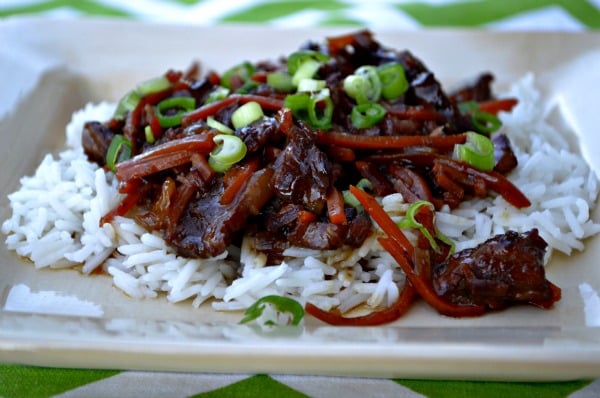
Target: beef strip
point(207, 227)
point(302, 171)
point(506, 269)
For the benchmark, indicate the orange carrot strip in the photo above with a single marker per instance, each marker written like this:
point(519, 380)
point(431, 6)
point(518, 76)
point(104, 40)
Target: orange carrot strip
point(238, 182)
point(424, 289)
point(383, 219)
point(495, 106)
point(384, 316)
point(335, 206)
point(387, 142)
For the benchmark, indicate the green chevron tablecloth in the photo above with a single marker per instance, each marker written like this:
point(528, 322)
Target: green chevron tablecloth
point(564, 15)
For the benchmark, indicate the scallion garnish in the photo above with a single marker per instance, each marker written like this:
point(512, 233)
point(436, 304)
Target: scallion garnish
point(409, 221)
point(127, 104)
point(230, 149)
point(280, 81)
point(364, 85)
point(350, 199)
point(314, 108)
point(311, 85)
point(282, 305)
point(478, 151)
point(307, 70)
point(393, 80)
point(148, 134)
point(295, 60)
point(246, 114)
point(243, 71)
point(119, 150)
point(220, 127)
point(153, 86)
point(367, 115)
point(217, 94)
point(484, 122)
point(320, 110)
point(180, 105)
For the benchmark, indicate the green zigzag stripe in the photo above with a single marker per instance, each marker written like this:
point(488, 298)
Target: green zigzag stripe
point(34, 382)
point(258, 386)
point(87, 7)
point(460, 389)
point(486, 11)
point(268, 11)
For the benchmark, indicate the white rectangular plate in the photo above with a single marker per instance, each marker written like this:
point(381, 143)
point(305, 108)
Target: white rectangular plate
point(51, 69)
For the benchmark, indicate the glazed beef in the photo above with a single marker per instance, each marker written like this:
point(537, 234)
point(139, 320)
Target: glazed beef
point(504, 270)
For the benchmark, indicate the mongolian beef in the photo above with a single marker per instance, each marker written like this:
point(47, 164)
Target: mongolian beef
point(294, 153)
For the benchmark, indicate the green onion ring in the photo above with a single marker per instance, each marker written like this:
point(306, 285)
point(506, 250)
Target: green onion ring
point(181, 104)
point(477, 151)
point(119, 150)
point(393, 80)
point(367, 115)
point(485, 123)
point(230, 149)
point(281, 304)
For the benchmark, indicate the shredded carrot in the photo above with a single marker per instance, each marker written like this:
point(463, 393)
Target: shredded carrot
point(384, 316)
point(424, 289)
point(165, 156)
point(200, 163)
point(495, 106)
point(496, 181)
point(131, 198)
point(335, 206)
point(415, 113)
point(238, 181)
point(383, 219)
point(305, 216)
point(387, 142)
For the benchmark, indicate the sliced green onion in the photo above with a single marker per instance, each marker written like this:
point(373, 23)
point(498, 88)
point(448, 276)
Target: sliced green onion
point(230, 149)
point(367, 115)
point(180, 104)
point(149, 134)
point(314, 108)
point(280, 81)
point(478, 151)
point(295, 60)
point(364, 85)
point(393, 80)
point(247, 87)
point(409, 221)
point(220, 127)
point(320, 110)
point(311, 85)
point(305, 71)
point(153, 86)
point(485, 123)
point(298, 103)
point(468, 107)
point(119, 150)
point(244, 71)
point(281, 304)
point(364, 184)
point(127, 104)
point(246, 114)
point(217, 94)
point(350, 199)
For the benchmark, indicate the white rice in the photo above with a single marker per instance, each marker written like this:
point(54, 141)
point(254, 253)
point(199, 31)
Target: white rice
point(56, 213)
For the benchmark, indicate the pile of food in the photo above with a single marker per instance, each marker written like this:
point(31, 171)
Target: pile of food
point(343, 176)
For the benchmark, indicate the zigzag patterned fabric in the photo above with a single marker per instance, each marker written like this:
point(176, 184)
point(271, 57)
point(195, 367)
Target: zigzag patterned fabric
point(570, 15)
point(564, 15)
